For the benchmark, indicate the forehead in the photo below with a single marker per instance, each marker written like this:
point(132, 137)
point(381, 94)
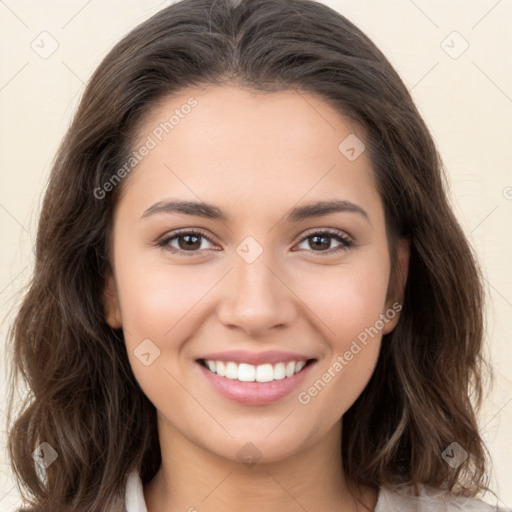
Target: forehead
point(288, 119)
point(240, 146)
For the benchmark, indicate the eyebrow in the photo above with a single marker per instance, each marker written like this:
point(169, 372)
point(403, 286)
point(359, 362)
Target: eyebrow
point(297, 214)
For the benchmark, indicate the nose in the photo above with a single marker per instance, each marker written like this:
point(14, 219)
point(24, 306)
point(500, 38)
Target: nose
point(256, 298)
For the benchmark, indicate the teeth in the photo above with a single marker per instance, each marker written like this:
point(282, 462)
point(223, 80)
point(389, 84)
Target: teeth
point(220, 368)
point(246, 372)
point(249, 373)
point(264, 373)
point(299, 366)
point(231, 370)
point(279, 371)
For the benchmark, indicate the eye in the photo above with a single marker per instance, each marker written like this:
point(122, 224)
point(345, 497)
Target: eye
point(322, 240)
point(186, 241)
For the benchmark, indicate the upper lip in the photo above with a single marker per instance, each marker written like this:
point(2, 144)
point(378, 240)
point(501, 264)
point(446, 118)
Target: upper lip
point(255, 358)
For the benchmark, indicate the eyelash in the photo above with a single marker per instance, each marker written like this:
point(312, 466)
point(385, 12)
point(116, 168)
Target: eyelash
point(346, 242)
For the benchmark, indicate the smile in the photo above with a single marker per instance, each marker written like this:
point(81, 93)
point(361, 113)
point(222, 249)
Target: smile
point(245, 372)
point(252, 377)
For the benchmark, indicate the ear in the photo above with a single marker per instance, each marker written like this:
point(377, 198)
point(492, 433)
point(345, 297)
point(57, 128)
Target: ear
point(395, 296)
point(111, 302)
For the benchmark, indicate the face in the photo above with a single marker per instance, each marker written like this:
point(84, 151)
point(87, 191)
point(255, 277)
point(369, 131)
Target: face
point(254, 277)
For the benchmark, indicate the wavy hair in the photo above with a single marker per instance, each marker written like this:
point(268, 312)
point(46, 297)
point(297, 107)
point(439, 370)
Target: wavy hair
point(82, 397)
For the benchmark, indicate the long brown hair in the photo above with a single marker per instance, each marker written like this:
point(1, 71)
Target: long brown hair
point(83, 399)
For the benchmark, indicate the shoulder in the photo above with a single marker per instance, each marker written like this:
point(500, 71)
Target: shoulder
point(427, 499)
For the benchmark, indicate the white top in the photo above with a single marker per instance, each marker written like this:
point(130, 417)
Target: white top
point(389, 500)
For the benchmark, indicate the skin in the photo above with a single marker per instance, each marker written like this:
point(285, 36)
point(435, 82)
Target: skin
point(255, 156)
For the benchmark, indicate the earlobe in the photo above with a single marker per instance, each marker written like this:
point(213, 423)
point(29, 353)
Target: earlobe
point(111, 303)
point(394, 302)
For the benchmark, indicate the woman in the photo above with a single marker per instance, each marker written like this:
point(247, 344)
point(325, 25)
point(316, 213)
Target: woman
point(250, 290)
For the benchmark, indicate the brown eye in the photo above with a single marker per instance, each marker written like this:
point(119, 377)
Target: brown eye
point(184, 242)
point(321, 241)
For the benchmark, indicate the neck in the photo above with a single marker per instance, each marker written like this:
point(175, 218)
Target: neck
point(196, 480)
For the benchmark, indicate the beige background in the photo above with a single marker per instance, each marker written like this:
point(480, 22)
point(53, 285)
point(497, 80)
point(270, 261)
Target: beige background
point(465, 98)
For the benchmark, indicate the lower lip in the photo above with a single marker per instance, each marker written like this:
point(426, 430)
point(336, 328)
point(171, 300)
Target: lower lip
point(255, 393)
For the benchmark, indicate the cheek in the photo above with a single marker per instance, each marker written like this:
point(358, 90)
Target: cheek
point(346, 299)
point(349, 306)
point(155, 296)
point(157, 304)
point(353, 337)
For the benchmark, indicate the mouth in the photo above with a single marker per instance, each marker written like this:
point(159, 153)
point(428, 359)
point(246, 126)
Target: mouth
point(245, 372)
point(253, 385)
